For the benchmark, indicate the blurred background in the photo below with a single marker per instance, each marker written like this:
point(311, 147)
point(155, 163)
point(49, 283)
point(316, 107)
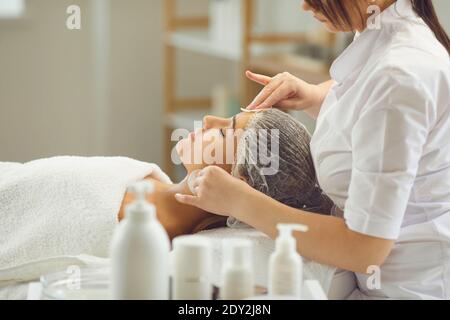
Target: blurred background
point(137, 70)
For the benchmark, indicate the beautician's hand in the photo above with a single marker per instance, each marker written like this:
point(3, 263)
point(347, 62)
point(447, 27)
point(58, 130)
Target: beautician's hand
point(215, 191)
point(285, 91)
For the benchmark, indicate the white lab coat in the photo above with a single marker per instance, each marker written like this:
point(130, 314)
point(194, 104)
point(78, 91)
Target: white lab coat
point(382, 151)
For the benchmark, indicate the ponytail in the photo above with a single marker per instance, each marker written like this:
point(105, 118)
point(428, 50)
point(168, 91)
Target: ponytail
point(425, 9)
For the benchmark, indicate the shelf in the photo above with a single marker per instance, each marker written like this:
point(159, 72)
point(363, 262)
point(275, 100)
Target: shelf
point(199, 41)
point(185, 119)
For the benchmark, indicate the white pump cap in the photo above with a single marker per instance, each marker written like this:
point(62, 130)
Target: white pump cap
point(286, 241)
point(141, 209)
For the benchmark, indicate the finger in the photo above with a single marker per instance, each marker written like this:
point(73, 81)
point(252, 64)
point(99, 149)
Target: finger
point(202, 172)
point(197, 183)
point(278, 95)
point(211, 170)
point(194, 187)
point(186, 199)
point(192, 181)
point(265, 93)
point(258, 78)
point(289, 104)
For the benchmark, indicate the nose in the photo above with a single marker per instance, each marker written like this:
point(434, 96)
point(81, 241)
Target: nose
point(208, 122)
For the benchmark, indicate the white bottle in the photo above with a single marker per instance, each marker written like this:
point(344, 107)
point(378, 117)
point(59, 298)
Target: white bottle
point(192, 269)
point(237, 273)
point(140, 252)
point(286, 265)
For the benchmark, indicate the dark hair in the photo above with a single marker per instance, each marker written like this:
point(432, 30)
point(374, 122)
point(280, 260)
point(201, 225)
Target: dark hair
point(337, 11)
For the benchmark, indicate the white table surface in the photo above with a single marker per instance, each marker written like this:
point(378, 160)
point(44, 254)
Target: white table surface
point(311, 291)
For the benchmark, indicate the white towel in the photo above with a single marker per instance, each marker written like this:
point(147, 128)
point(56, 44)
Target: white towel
point(263, 247)
point(61, 211)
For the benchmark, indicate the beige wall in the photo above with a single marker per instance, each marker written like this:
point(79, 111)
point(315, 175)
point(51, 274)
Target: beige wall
point(443, 9)
point(67, 92)
point(87, 92)
point(138, 77)
point(44, 84)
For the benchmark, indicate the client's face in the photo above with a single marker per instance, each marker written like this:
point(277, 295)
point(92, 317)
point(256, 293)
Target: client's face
point(214, 144)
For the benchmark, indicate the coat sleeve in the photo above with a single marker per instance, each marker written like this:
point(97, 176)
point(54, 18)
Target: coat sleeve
point(387, 142)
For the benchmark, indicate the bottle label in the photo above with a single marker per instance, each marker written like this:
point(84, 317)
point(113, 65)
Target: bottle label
point(286, 282)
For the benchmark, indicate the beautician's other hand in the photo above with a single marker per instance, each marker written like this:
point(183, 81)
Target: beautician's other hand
point(285, 91)
point(216, 191)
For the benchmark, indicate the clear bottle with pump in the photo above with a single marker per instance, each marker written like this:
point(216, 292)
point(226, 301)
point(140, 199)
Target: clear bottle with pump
point(140, 252)
point(286, 265)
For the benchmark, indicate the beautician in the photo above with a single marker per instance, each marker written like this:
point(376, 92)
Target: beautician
point(381, 151)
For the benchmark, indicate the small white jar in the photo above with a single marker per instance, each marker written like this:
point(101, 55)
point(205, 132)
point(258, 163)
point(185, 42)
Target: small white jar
point(192, 263)
point(237, 273)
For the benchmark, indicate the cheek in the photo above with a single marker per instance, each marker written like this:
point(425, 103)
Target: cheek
point(183, 149)
point(211, 148)
point(218, 150)
point(188, 154)
point(331, 27)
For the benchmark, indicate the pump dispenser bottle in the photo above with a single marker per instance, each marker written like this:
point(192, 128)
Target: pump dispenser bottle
point(140, 252)
point(286, 265)
point(237, 272)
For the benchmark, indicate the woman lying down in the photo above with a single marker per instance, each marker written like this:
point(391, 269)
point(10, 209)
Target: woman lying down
point(289, 177)
point(69, 206)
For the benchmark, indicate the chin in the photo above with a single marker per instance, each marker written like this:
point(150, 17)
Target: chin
point(330, 27)
point(180, 147)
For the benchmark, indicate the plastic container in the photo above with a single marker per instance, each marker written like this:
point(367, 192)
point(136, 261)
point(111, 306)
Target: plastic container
point(237, 274)
point(87, 284)
point(140, 252)
point(192, 267)
point(286, 265)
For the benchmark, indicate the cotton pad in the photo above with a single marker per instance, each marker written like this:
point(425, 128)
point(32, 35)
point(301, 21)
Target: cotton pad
point(254, 111)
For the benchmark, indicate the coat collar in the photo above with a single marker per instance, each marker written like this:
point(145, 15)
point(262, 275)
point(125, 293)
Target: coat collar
point(353, 59)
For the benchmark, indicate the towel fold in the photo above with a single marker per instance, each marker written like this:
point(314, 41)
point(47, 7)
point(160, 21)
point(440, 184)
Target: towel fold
point(61, 211)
